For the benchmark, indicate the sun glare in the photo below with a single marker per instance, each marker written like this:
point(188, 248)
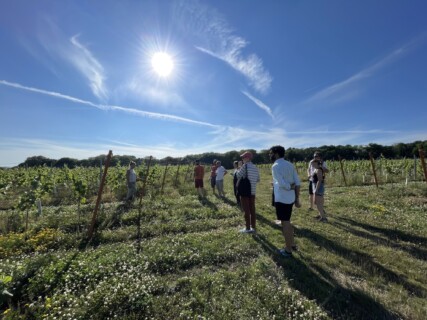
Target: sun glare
point(162, 64)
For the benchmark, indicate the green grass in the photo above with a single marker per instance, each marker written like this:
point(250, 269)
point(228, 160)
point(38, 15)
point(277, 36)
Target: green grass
point(368, 262)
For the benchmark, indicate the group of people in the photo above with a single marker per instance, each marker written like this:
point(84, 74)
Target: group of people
point(286, 186)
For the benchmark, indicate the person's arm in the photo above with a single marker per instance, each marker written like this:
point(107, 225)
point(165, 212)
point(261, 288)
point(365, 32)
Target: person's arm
point(241, 173)
point(325, 167)
point(309, 169)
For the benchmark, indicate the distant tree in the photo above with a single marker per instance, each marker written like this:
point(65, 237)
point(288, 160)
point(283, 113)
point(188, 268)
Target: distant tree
point(69, 162)
point(37, 161)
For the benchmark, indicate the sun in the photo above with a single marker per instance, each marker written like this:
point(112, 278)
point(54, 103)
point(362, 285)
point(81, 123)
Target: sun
point(162, 64)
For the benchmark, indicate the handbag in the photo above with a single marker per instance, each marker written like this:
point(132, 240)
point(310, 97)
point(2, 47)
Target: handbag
point(244, 185)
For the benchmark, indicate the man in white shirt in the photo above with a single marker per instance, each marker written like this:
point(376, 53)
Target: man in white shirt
point(286, 189)
point(219, 180)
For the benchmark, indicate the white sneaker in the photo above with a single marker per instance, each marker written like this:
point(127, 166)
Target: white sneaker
point(245, 230)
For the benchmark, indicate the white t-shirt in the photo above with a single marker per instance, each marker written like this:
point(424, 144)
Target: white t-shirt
point(220, 172)
point(132, 175)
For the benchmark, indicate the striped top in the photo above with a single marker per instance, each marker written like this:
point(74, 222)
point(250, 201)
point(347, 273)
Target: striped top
point(253, 175)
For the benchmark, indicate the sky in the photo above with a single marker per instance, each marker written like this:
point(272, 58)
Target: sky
point(174, 78)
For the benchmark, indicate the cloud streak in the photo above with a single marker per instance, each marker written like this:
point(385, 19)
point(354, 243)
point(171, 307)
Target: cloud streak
point(259, 103)
point(219, 41)
point(345, 89)
point(133, 111)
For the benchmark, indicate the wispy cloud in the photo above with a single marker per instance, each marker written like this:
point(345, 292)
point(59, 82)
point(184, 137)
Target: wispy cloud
point(160, 97)
point(259, 103)
point(88, 65)
point(133, 111)
point(57, 45)
point(15, 150)
point(219, 41)
point(347, 89)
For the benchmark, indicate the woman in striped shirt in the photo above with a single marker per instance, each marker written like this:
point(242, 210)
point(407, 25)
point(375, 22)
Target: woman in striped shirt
point(248, 203)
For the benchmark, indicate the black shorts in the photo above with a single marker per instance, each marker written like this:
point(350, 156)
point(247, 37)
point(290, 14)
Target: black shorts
point(310, 187)
point(283, 211)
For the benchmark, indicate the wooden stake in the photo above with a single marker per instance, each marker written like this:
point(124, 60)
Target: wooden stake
point(138, 234)
point(164, 178)
point(423, 163)
point(176, 177)
point(373, 169)
point(342, 170)
point(98, 200)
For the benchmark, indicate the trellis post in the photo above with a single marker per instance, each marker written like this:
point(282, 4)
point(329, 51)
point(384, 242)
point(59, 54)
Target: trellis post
point(342, 170)
point(373, 169)
point(98, 199)
point(164, 178)
point(423, 163)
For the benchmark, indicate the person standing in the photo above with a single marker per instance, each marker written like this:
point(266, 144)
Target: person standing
point(310, 171)
point(131, 182)
point(249, 170)
point(235, 179)
point(286, 190)
point(199, 173)
point(319, 190)
point(213, 176)
point(219, 179)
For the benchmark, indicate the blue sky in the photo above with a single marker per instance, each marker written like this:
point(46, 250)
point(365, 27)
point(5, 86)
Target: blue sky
point(77, 78)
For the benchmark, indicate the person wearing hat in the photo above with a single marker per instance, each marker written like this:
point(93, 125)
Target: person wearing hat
point(286, 189)
point(250, 171)
point(310, 172)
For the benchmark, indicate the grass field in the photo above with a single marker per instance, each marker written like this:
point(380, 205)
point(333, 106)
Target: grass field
point(368, 262)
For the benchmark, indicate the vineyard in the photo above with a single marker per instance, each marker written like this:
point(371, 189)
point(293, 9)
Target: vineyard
point(173, 255)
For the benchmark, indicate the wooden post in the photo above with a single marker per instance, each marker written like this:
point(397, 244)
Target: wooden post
point(164, 178)
point(98, 200)
point(176, 176)
point(186, 174)
point(342, 170)
point(415, 168)
point(423, 163)
point(145, 182)
point(138, 235)
point(373, 169)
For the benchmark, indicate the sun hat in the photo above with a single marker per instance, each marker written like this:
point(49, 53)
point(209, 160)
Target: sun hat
point(246, 154)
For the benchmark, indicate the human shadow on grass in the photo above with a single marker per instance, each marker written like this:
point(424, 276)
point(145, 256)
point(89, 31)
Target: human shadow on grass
point(363, 260)
point(315, 283)
point(417, 253)
point(206, 202)
point(271, 223)
point(392, 234)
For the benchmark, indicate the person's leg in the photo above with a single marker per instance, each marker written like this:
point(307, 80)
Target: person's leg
point(218, 184)
point(131, 191)
point(311, 195)
point(245, 201)
point(252, 212)
point(288, 233)
point(213, 182)
point(319, 203)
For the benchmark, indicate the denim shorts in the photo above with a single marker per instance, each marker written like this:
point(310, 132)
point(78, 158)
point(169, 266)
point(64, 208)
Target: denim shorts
point(320, 191)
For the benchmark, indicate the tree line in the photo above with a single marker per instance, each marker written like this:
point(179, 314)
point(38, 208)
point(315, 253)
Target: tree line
point(348, 152)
